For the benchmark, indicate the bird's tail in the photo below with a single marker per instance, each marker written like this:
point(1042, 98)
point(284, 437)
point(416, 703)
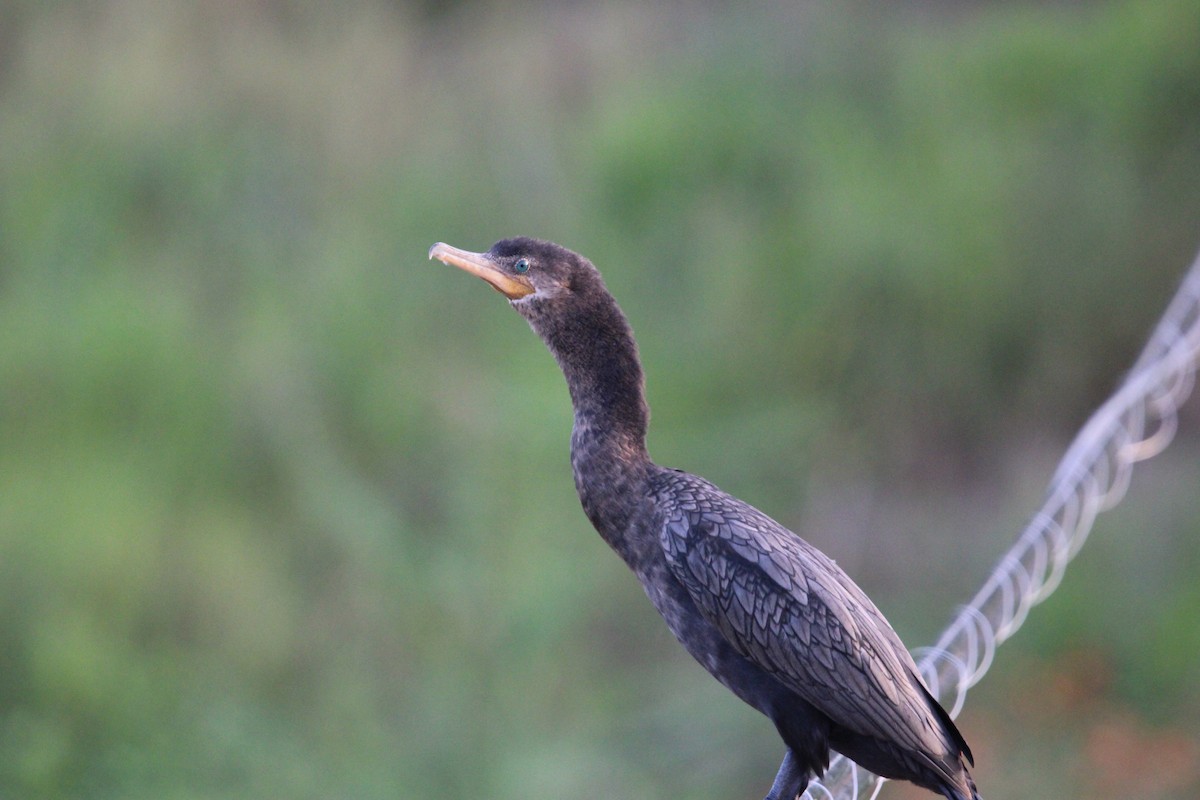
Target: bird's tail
point(949, 776)
point(963, 787)
point(971, 786)
point(956, 771)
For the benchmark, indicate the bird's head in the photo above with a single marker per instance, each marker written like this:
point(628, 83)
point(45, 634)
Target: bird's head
point(563, 298)
point(525, 270)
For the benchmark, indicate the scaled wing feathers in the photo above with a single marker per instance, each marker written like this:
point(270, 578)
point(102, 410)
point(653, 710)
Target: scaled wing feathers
point(790, 609)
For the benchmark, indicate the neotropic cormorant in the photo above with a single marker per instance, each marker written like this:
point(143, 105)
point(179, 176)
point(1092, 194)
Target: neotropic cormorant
point(771, 617)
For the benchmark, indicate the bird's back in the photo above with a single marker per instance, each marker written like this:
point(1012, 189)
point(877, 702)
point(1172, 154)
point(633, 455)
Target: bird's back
point(790, 610)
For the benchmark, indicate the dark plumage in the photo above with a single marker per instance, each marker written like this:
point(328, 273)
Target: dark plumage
point(772, 618)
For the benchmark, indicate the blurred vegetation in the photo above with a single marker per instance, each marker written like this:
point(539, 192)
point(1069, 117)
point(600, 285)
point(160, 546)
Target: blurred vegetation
point(286, 510)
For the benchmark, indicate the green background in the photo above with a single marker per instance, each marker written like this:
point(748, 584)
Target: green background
point(286, 510)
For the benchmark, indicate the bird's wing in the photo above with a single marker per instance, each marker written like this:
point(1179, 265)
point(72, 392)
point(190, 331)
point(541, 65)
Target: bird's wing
point(790, 609)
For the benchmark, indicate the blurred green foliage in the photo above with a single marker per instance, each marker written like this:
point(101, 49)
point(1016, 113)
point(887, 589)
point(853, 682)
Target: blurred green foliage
point(286, 511)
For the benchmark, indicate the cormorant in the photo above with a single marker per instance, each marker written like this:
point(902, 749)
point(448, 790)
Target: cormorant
point(771, 617)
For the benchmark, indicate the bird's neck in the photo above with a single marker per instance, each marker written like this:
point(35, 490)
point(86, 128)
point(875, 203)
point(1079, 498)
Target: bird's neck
point(595, 348)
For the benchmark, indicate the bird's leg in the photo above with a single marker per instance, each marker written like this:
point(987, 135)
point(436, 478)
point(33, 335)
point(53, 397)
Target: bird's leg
point(790, 781)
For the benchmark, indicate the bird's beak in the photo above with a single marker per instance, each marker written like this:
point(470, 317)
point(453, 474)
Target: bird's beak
point(479, 264)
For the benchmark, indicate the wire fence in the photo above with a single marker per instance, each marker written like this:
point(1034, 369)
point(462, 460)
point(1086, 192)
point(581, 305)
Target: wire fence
point(1136, 423)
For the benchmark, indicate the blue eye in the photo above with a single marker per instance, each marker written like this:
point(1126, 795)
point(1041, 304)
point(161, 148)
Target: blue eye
point(522, 265)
